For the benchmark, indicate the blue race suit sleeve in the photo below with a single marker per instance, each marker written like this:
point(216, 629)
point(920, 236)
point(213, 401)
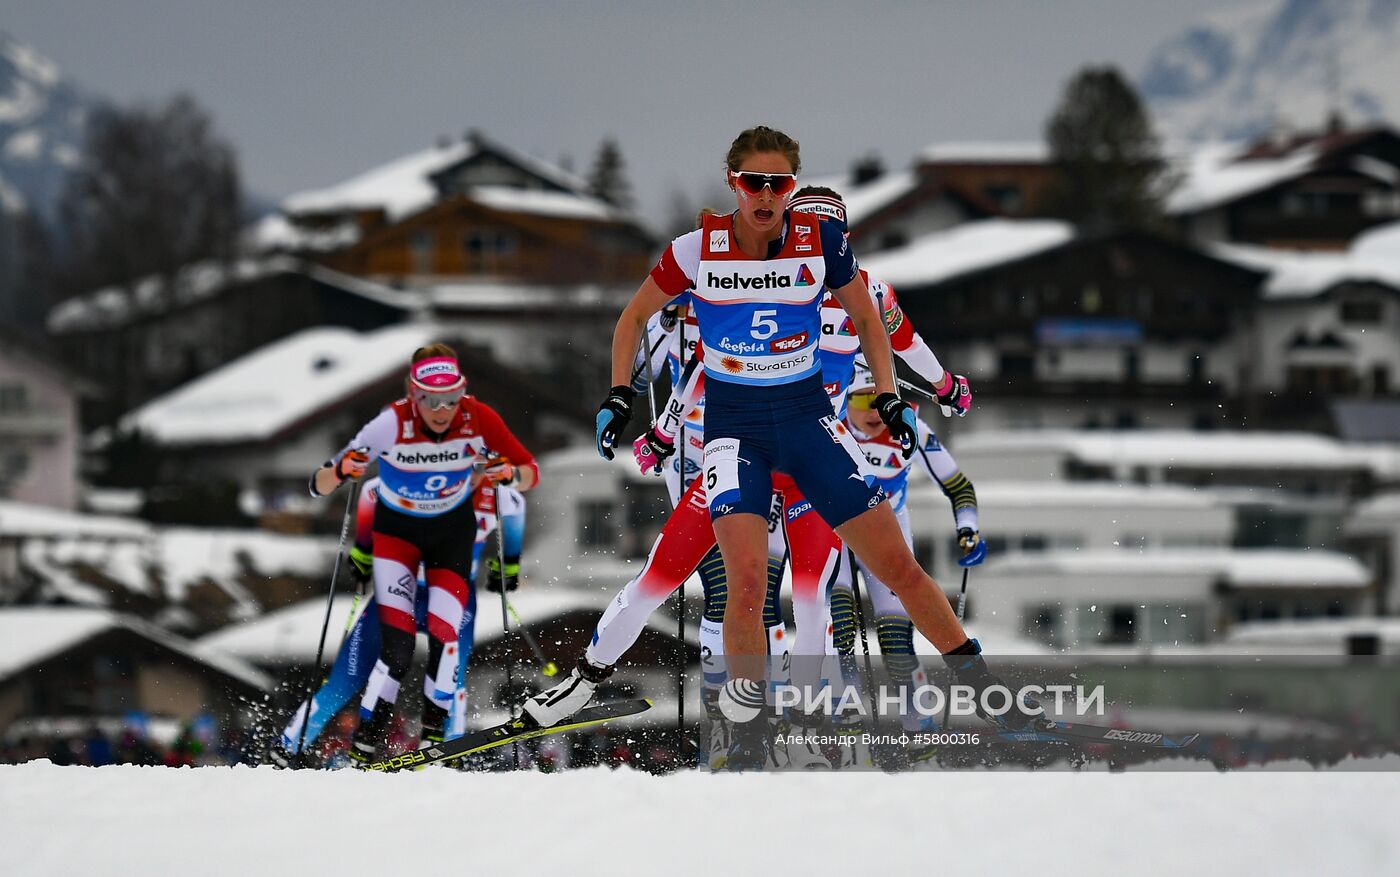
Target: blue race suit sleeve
point(840, 260)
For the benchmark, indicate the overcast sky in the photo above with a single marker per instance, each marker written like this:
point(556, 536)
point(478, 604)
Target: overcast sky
point(312, 91)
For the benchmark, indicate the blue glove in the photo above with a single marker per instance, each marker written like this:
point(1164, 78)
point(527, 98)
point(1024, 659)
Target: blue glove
point(613, 416)
point(901, 419)
point(974, 547)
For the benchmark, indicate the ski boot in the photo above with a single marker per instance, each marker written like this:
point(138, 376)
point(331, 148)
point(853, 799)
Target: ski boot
point(721, 731)
point(971, 669)
point(557, 704)
point(804, 749)
point(372, 734)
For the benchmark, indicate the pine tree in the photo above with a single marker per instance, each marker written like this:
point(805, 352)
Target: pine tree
point(1111, 173)
point(607, 180)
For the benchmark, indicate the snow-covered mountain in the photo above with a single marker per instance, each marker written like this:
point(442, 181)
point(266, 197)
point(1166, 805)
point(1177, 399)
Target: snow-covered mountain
point(41, 127)
point(1243, 69)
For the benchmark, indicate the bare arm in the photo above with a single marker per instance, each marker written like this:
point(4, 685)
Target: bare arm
point(630, 328)
point(874, 343)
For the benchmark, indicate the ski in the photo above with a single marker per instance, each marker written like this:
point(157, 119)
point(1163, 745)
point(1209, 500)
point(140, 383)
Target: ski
point(506, 733)
point(1075, 732)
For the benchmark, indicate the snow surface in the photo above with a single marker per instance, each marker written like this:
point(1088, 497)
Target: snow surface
point(262, 393)
point(943, 255)
point(241, 821)
point(1094, 494)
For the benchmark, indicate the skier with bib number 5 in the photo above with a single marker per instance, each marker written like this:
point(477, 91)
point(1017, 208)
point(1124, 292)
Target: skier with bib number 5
point(756, 278)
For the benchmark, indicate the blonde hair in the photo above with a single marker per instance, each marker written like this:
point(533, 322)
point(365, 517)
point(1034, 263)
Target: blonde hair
point(761, 138)
point(431, 351)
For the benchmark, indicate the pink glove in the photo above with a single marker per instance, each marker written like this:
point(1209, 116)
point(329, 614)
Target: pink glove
point(651, 450)
point(954, 395)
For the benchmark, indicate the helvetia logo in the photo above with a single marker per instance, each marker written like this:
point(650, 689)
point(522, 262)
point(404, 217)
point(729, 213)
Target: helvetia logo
point(771, 280)
point(804, 277)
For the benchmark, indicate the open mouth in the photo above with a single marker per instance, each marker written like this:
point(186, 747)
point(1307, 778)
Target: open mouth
point(763, 214)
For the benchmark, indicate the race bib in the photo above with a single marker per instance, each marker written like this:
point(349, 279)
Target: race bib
point(722, 473)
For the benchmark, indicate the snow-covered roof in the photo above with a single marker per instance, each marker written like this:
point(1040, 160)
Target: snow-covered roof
point(864, 200)
point(1232, 449)
point(1239, 567)
point(1315, 632)
point(1093, 494)
point(1299, 274)
point(543, 203)
point(987, 152)
point(290, 635)
point(166, 562)
point(1212, 174)
point(117, 305)
point(405, 186)
point(29, 635)
point(275, 231)
point(260, 394)
point(18, 519)
point(943, 255)
point(400, 187)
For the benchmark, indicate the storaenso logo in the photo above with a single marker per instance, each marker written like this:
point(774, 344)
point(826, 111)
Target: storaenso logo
point(418, 459)
point(1132, 736)
point(771, 280)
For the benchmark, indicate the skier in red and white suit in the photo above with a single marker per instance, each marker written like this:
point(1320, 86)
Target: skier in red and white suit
point(435, 448)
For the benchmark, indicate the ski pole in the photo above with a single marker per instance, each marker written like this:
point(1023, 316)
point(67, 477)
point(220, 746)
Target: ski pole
point(505, 621)
point(680, 591)
point(962, 609)
point(903, 384)
point(547, 667)
point(326, 622)
point(860, 622)
point(637, 369)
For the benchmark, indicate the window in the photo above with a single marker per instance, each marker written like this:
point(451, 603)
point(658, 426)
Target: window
point(1043, 624)
point(596, 527)
point(1090, 299)
point(488, 250)
point(13, 398)
point(420, 248)
point(1016, 366)
point(1196, 369)
point(13, 465)
point(1132, 365)
point(1121, 629)
point(1378, 203)
point(892, 240)
point(1361, 312)
point(1380, 380)
point(1169, 623)
point(1006, 196)
point(1034, 542)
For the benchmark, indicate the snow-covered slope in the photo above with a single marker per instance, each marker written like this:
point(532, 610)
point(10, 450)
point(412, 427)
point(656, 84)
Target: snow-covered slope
point(42, 116)
point(1287, 61)
point(242, 821)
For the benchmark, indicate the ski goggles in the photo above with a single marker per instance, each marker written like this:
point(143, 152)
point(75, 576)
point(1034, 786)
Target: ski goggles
point(438, 401)
point(753, 183)
point(864, 401)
